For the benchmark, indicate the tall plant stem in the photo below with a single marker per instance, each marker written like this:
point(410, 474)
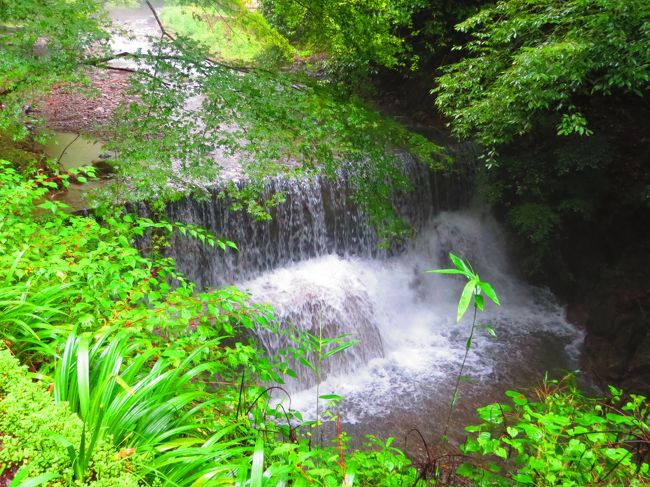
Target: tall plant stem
point(454, 396)
point(318, 378)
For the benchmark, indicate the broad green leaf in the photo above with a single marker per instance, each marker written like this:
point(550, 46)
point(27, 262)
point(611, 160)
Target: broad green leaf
point(489, 291)
point(523, 479)
point(465, 299)
point(517, 397)
point(513, 432)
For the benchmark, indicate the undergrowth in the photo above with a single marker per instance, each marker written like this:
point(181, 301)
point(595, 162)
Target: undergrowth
point(34, 432)
point(134, 377)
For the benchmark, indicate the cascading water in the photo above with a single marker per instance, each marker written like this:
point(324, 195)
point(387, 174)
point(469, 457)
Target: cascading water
point(410, 348)
point(319, 217)
point(318, 264)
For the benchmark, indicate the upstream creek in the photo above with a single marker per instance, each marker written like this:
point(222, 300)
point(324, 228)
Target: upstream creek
point(320, 265)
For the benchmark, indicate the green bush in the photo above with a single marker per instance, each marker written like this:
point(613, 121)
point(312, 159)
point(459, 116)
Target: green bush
point(34, 433)
point(563, 438)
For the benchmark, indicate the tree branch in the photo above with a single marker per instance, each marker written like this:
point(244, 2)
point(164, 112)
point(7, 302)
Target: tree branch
point(160, 25)
point(133, 71)
point(166, 33)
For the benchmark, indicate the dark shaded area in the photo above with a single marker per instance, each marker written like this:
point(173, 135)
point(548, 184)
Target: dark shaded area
point(596, 253)
point(578, 214)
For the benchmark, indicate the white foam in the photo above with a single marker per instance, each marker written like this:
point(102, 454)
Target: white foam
point(393, 304)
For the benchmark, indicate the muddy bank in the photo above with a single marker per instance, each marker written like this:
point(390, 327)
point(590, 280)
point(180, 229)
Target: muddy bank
point(86, 109)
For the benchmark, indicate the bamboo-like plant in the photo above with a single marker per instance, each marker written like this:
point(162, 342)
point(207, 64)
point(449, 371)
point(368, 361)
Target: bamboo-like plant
point(473, 291)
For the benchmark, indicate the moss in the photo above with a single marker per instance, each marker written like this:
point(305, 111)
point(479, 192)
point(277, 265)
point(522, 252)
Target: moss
point(33, 428)
point(24, 160)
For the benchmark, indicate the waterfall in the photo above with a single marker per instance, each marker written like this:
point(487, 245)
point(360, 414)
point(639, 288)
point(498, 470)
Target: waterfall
point(317, 262)
point(319, 217)
point(404, 318)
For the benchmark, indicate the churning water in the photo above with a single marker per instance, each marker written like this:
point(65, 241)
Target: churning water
point(401, 373)
point(318, 264)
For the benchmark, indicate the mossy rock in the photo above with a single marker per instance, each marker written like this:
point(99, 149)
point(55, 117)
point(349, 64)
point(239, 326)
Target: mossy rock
point(24, 160)
point(34, 430)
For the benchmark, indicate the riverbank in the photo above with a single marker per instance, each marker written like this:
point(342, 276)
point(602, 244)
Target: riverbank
point(88, 110)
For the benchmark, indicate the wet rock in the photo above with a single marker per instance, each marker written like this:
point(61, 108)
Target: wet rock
point(617, 346)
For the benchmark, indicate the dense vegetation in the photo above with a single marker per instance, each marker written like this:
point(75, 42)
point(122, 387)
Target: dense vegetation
point(132, 376)
point(142, 382)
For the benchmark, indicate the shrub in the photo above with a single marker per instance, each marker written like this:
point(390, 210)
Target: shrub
point(563, 438)
point(34, 433)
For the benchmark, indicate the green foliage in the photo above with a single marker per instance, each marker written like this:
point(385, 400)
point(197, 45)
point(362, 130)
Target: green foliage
point(271, 122)
point(563, 438)
point(356, 35)
point(382, 465)
point(40, 46)
point(536, 221)
point(146, 403)
point(528, 58)
point(33, 432)
point(230, 30)
point(474, 291)
point(71, 281)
